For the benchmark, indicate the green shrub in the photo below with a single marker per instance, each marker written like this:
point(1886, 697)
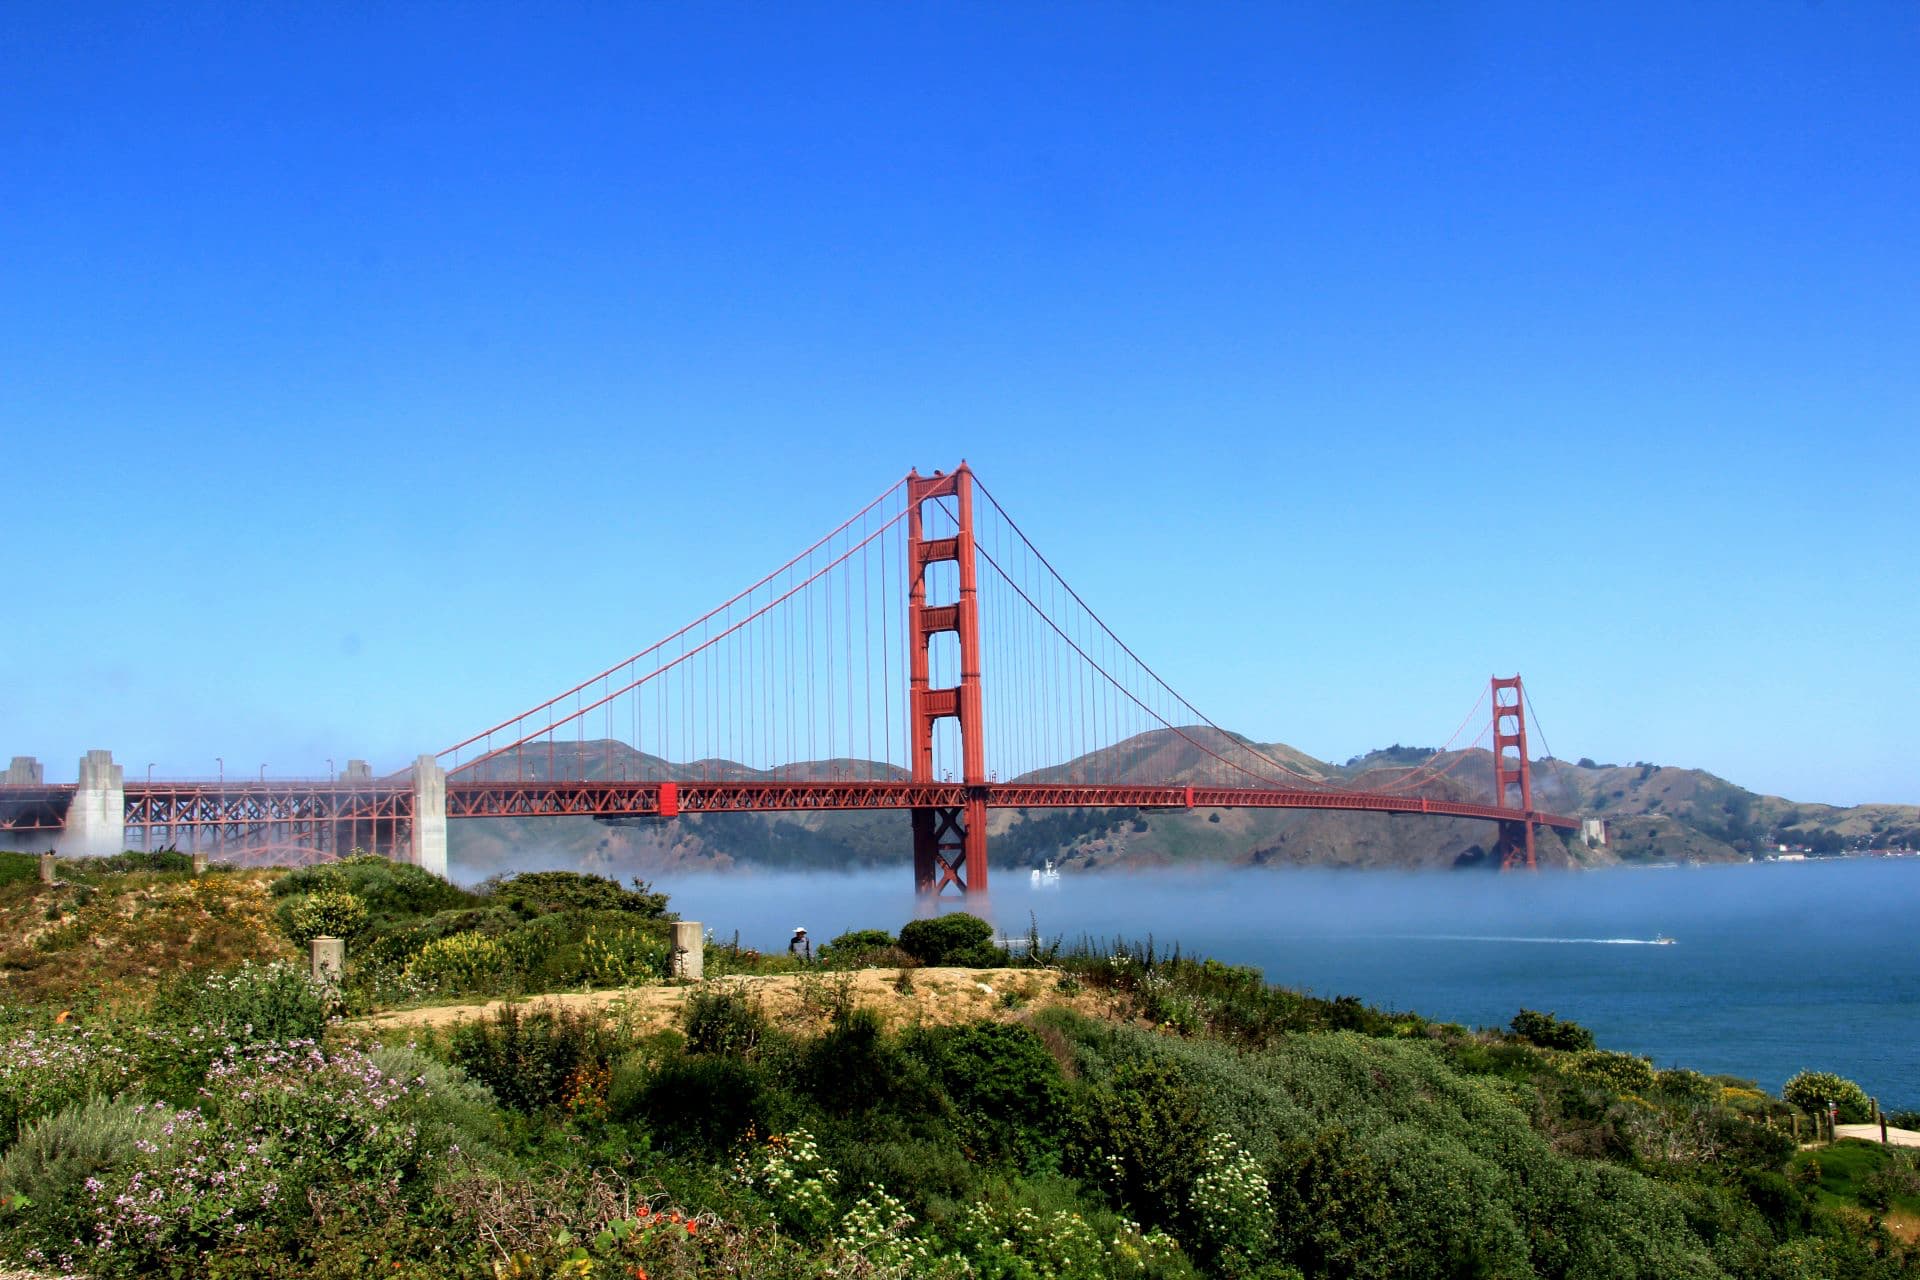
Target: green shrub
point(460, 962)
point(542, 1058)
point(387, 888)
point(854, 1067)
point(1621, 1072)
point(1895, 1180)
point(1141, 1134)
point(1005, 1087)
point(451, 1109)
point(1334, 1210)
point(723, 1021)
point(330, 913)
point(704, 1104)
point(195, 1019)
point(952, 939)
point(169, 860)
point(1813, 1090)
point(1549, 1032)
point(1786, 1207)
point(850, 950)
point(1687, 1088)
point(536, 893)
point(56, 1154)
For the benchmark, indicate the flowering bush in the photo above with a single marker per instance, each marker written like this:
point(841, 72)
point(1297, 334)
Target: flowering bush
point(1814, 1090)
point(623, 957)
point(789, 1170)
point(330, 913)
point(649, 1243)
point(875, 1240)
point(43, 1071)
point(44, 1210)
point(461, 960)
point(253, 1003)
point(1232, 1208)
point(276, 1122)
point(998, 1240)
point(196, 1020)
point(1621, 1072)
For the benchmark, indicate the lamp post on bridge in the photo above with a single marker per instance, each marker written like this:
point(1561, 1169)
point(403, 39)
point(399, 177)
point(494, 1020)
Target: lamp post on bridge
point(223, 770)
point(149, 773)
point(263, 773)
point(331, 777)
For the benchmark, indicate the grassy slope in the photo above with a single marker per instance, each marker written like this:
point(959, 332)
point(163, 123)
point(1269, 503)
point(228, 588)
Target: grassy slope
point(1402, 1139)
point(100, 939)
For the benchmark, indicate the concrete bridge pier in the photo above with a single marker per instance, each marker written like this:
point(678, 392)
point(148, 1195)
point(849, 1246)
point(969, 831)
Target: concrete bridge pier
point(25, 771)
point(97, 819)
point(430, 815)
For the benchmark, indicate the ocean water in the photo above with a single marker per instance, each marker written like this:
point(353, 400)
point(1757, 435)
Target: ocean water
point(1774, 968)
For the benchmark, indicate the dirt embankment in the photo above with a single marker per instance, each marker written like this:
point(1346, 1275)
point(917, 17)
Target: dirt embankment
point(806, 1001)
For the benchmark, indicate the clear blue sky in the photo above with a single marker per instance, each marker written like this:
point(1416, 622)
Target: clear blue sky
point(370, 371)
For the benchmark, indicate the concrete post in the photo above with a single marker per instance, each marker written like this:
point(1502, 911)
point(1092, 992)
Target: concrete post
point(25, 771)
point(199, 864)
point(46, 868)
point(430, 815)
point(97, 818)
point(689, 958)
point(327, 960)
point(357, 771)
point(1796, 1128)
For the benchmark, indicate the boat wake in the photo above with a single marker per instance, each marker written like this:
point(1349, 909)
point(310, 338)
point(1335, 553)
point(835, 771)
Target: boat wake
point(1659, 941)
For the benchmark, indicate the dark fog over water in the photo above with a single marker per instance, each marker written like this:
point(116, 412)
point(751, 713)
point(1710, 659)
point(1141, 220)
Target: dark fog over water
point(1775, 967)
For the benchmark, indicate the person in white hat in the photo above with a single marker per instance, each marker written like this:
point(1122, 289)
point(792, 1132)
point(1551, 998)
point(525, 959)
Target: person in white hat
point(801, 947)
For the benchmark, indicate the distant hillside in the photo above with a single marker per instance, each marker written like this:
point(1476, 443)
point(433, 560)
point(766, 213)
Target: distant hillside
point(1654, 814)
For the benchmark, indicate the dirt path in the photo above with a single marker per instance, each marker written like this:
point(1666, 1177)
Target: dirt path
point(805, 1000)
point(1871, 1132)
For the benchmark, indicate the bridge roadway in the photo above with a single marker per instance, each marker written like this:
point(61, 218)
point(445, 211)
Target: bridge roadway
point(239, 804)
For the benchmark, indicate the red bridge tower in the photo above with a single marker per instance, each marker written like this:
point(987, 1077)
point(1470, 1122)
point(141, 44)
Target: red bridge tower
point(949, 845)
point(1514, 848)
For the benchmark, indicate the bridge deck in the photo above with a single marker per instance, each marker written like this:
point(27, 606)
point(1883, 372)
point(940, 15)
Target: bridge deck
point(216, 804)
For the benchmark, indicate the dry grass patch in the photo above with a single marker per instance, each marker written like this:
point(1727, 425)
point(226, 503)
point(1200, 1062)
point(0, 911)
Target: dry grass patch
point(68, 942)
point(805, 1002)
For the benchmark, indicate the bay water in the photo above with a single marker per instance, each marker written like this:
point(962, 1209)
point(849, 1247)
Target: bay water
point(1773, 967)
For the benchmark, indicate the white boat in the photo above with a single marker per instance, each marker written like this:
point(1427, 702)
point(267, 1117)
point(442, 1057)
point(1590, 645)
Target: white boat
point(1662, 940)
point(1048, 878)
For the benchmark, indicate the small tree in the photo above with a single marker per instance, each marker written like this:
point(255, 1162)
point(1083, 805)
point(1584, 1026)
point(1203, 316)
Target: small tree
point(1550, 1032)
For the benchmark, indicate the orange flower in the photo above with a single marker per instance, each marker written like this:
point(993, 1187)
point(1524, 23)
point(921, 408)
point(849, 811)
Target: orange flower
point(639, 1272)
point(693, 1228)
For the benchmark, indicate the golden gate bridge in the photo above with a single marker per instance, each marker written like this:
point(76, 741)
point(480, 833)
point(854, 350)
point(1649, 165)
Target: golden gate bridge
point(922, 656)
